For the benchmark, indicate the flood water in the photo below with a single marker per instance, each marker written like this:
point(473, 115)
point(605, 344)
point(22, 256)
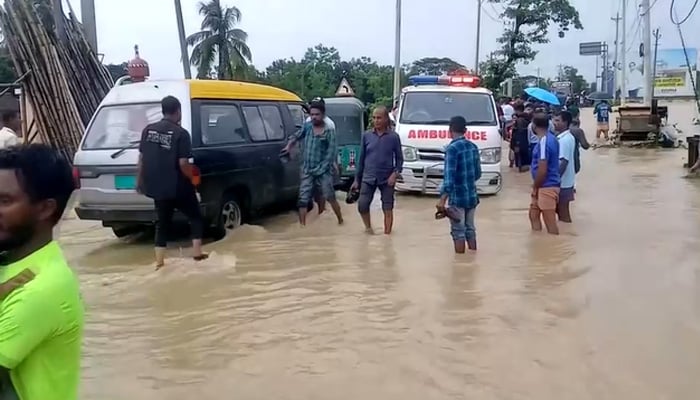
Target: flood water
point(610, 309)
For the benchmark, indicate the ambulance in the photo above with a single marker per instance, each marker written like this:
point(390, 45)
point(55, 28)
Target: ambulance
point(422, 122)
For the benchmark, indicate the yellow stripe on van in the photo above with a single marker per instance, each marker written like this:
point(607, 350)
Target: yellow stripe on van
point(233, 90)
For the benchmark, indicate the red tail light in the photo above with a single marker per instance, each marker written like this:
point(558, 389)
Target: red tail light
point(196, 176)
point(76, 177)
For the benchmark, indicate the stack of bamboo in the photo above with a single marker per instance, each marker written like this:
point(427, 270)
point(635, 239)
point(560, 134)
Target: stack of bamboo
point(65, 80)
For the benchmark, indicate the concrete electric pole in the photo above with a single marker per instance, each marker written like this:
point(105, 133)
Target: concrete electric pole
point(87, 15)
point(397, 52)
point(183, 42)
point(623, 58)
point(616, 64)
point(646, 40)
point(478, 35)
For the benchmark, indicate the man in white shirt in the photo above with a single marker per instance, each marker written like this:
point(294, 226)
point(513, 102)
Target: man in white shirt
point(11, 124)
point(567, 169)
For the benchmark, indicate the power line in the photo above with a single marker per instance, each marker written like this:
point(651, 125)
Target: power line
point(672, 13)
point(649, 9)
point(491, 17)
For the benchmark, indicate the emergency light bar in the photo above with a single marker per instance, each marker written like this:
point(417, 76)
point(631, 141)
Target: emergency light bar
point(448, 80)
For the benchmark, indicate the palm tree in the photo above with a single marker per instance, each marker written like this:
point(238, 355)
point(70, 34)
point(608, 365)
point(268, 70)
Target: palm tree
point(219, 40)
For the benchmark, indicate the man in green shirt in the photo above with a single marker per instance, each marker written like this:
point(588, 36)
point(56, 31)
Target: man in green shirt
point(41, 312)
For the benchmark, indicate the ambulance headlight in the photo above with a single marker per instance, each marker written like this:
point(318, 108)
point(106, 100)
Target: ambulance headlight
point(491, 155)
point(409, 153)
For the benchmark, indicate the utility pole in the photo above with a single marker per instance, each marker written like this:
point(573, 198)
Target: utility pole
point(623, 61)
point(615, 61)
point(604, 73)
point(184, 54)
point(478, 36)
point(646, 39)
point(397, 52)
point(87, 16)
point(657, 36)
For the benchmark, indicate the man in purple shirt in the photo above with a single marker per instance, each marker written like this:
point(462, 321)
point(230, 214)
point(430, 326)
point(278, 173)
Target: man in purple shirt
point(380, 164)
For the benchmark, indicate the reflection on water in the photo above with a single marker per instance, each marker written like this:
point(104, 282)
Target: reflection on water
point(607, 310)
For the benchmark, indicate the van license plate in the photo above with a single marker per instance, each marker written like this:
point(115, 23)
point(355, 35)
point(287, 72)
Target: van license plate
point(125, 182)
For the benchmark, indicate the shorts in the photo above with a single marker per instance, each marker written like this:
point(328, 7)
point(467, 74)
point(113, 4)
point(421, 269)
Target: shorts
point(367, 191)
point(463, 228)
point(566, 195)
point(546, 200)
point(323, 182)
point(603, 126)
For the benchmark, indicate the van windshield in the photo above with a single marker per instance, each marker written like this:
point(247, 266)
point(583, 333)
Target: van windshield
point(348, 123)
point(437, 108)
point(115, 127)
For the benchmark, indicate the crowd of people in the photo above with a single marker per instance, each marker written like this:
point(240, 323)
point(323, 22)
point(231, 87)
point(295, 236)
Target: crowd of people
point(547, 140)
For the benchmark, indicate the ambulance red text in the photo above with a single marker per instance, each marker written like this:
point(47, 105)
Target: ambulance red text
point(443, 134)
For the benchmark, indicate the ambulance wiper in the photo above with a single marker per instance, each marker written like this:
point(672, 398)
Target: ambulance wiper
point(434, 122)
point(480, 123)
point(125, 148)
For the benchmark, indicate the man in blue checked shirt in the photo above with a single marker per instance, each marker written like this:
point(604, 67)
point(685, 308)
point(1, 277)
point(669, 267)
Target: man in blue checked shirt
point(462, 170)
point(318, 159)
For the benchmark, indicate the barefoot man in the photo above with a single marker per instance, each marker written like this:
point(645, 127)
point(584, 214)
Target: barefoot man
point(380, 164)
point(545, 175)
point(319, 152)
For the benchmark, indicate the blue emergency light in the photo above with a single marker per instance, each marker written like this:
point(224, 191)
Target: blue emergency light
point(449, 80)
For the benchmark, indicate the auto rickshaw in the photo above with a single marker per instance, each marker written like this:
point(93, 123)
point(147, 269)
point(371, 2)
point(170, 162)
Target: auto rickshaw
point(350, 118)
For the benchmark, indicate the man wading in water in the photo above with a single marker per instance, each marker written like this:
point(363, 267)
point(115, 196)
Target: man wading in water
point(545, 176)
point(319, 151)
point(462, 170)
point(380, 164)
point(41, 312)
point(165, 175)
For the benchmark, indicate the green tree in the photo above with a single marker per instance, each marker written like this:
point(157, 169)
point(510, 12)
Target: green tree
point(528, 23)
point(219, 43)
point(570, 74)
point(434, 66)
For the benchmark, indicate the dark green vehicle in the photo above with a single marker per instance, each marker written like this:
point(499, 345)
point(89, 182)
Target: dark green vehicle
point(349, 116)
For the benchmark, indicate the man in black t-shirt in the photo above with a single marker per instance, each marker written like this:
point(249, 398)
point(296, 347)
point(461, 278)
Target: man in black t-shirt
point(165, 175)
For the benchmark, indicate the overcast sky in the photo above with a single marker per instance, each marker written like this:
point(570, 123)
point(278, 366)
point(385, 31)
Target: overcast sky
point(438, 28)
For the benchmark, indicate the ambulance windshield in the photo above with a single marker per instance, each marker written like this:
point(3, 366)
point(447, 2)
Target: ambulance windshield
point(437, 108)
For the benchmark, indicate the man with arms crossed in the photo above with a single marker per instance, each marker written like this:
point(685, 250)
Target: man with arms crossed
point(462, 170)
point(165, 175)
point(319, 151)
point(41, 321)
point(545, 175)
point(567, 171)
point(380, 164)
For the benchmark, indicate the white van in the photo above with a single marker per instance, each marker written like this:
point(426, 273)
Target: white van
point(237, 131)
point(425, 110)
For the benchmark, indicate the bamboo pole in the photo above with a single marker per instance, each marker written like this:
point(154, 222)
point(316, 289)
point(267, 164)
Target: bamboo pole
point(65, 80)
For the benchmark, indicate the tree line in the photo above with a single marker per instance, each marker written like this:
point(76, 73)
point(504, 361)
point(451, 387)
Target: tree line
point(219, 50)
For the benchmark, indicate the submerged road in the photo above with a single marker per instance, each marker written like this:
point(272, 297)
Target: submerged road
point(610, 309)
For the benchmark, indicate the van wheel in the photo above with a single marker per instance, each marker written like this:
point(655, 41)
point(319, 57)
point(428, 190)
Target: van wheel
point(123, 231)
point(230, 216)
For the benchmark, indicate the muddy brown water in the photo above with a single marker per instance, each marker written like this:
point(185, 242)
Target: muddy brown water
point(610, 309)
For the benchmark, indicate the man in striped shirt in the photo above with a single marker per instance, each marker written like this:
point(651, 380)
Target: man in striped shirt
point(462, 170)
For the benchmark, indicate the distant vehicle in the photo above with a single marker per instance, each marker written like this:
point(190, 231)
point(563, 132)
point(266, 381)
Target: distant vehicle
point(424, 114)
point(237, 129)
point(349, 116)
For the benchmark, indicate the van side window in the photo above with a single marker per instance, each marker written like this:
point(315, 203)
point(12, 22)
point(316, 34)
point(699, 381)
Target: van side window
point(256, 126)
point(273, 122)
point(222, 125)
point(298, 114)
